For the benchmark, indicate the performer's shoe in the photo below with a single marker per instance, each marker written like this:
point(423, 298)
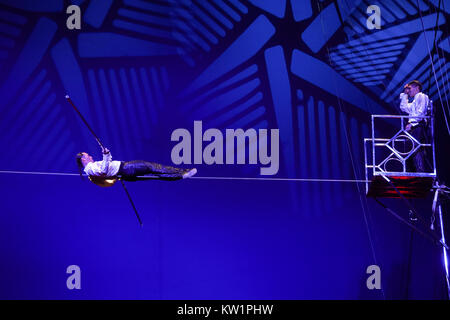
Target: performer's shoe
point(189, 173)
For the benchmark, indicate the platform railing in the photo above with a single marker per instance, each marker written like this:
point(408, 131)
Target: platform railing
point(384, 149)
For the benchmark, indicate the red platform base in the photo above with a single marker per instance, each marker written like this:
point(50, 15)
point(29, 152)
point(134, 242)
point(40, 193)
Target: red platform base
point(409, 187)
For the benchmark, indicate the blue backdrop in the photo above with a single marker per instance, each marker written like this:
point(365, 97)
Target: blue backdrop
point(138, 70)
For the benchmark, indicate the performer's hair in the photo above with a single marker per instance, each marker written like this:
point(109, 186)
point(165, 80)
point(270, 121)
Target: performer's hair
point(416, 83)
point(79, 163)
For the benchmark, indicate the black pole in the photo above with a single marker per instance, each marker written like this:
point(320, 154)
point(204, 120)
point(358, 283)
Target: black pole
point(131, 201)
point(101, 145)
point(84, 120)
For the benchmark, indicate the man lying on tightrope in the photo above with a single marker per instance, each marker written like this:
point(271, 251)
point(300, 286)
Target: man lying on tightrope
point(105, 173)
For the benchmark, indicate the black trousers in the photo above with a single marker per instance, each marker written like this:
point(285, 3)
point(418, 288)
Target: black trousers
point(418, 161)
point(130, 170)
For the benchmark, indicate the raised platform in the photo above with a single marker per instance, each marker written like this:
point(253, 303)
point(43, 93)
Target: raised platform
point(409, 187)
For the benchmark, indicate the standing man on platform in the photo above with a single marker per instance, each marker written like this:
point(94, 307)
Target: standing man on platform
point(415, 126)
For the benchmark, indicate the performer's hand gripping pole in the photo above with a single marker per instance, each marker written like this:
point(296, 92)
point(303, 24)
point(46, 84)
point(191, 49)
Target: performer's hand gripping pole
point(101, 145)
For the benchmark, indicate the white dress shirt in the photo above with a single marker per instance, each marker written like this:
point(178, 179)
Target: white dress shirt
point(105, 168)
point(416, 108)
